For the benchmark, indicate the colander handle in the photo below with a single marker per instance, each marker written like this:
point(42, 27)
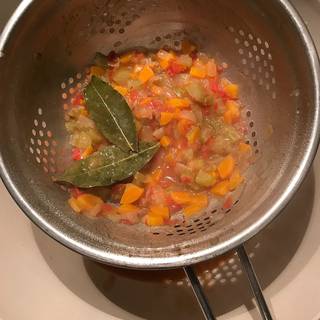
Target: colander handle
point(254, 283)
point(198, 292)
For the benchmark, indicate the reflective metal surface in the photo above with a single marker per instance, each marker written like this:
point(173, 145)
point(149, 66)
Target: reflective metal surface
point(271, 55)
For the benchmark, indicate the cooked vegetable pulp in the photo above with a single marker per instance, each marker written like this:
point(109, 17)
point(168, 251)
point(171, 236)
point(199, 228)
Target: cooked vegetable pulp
point(159, 136)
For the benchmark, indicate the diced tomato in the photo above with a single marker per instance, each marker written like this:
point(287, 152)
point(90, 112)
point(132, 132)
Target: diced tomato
point(112, 56)
point(126, 221)
point(175, 68)
point(182, 143)
point(138, 57)
point(206, 148)
point(75, 192)
point(117, 191)
point(194, 55)
point(133, 95)
point(228, 203)
point(78, 99)
point(215, 88)
point(220, 69)
point(186, 179)
point(76, 154)
point(106, 207)
point(168, 130)
point(110, 73)
point(165, 183)
point(157, 104)
point(206, 110)
point(173, 207)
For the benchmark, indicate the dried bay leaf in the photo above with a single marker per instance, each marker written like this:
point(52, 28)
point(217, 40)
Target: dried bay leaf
point(108, 166)
point(111, 114)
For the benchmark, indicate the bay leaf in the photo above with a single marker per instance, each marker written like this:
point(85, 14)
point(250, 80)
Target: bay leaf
point(108, 166)
point(111, 114)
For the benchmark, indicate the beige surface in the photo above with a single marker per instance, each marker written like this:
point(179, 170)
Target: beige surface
point(40, 279)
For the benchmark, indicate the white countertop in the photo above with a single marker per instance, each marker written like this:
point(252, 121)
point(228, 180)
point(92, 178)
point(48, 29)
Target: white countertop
point(40, 279)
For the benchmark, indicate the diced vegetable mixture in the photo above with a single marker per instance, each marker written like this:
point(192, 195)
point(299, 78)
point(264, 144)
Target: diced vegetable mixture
point(155, 137)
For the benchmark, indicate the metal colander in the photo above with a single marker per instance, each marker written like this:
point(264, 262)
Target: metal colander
point(48, 44)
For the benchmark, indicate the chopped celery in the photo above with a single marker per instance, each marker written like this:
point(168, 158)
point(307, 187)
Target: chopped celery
point(196, 164)
point(196, 91)
point(205, 179)
point(185, 60)
point(122, 76)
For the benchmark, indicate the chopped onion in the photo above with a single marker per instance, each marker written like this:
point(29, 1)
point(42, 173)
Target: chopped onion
point(158, 134)
point(187, 115)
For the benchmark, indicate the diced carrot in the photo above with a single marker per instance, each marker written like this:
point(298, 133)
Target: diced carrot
point(232, 90)
point(88, 201)
point(74, 205)
point(165, 141)
point(126, 58)
point(201, 200)
point(221, 188)
point(161, 211)
point(131, 193)
point(193, 135)
point(244, 147)
point(154, 220)
point(154, 177)
point(165, 58)
point(191, 210)
point(170, 159)
point(179, 102)
point(232, 113)
point(198, 72)
point(166, 117)
point(97, 71)
point(145, 101)
point(145, 74)
point(181, 197)
point(235, 180)
point(127, 208)
point(226, 167)
point(214, 173)
point(86, 153)
point(122, 90)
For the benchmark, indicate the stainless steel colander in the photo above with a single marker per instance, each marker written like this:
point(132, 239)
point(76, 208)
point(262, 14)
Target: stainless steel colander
point(47, 45)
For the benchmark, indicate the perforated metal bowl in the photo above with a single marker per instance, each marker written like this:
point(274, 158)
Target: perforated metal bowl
point(47, 44)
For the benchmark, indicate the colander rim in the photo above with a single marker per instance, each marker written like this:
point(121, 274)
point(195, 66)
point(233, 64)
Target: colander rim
point(203, 254)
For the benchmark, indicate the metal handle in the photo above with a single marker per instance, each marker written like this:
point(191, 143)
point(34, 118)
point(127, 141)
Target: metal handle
point(254, 283)
point(198, 292)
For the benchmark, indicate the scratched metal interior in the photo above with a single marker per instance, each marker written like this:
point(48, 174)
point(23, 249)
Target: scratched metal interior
point(54, 42)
